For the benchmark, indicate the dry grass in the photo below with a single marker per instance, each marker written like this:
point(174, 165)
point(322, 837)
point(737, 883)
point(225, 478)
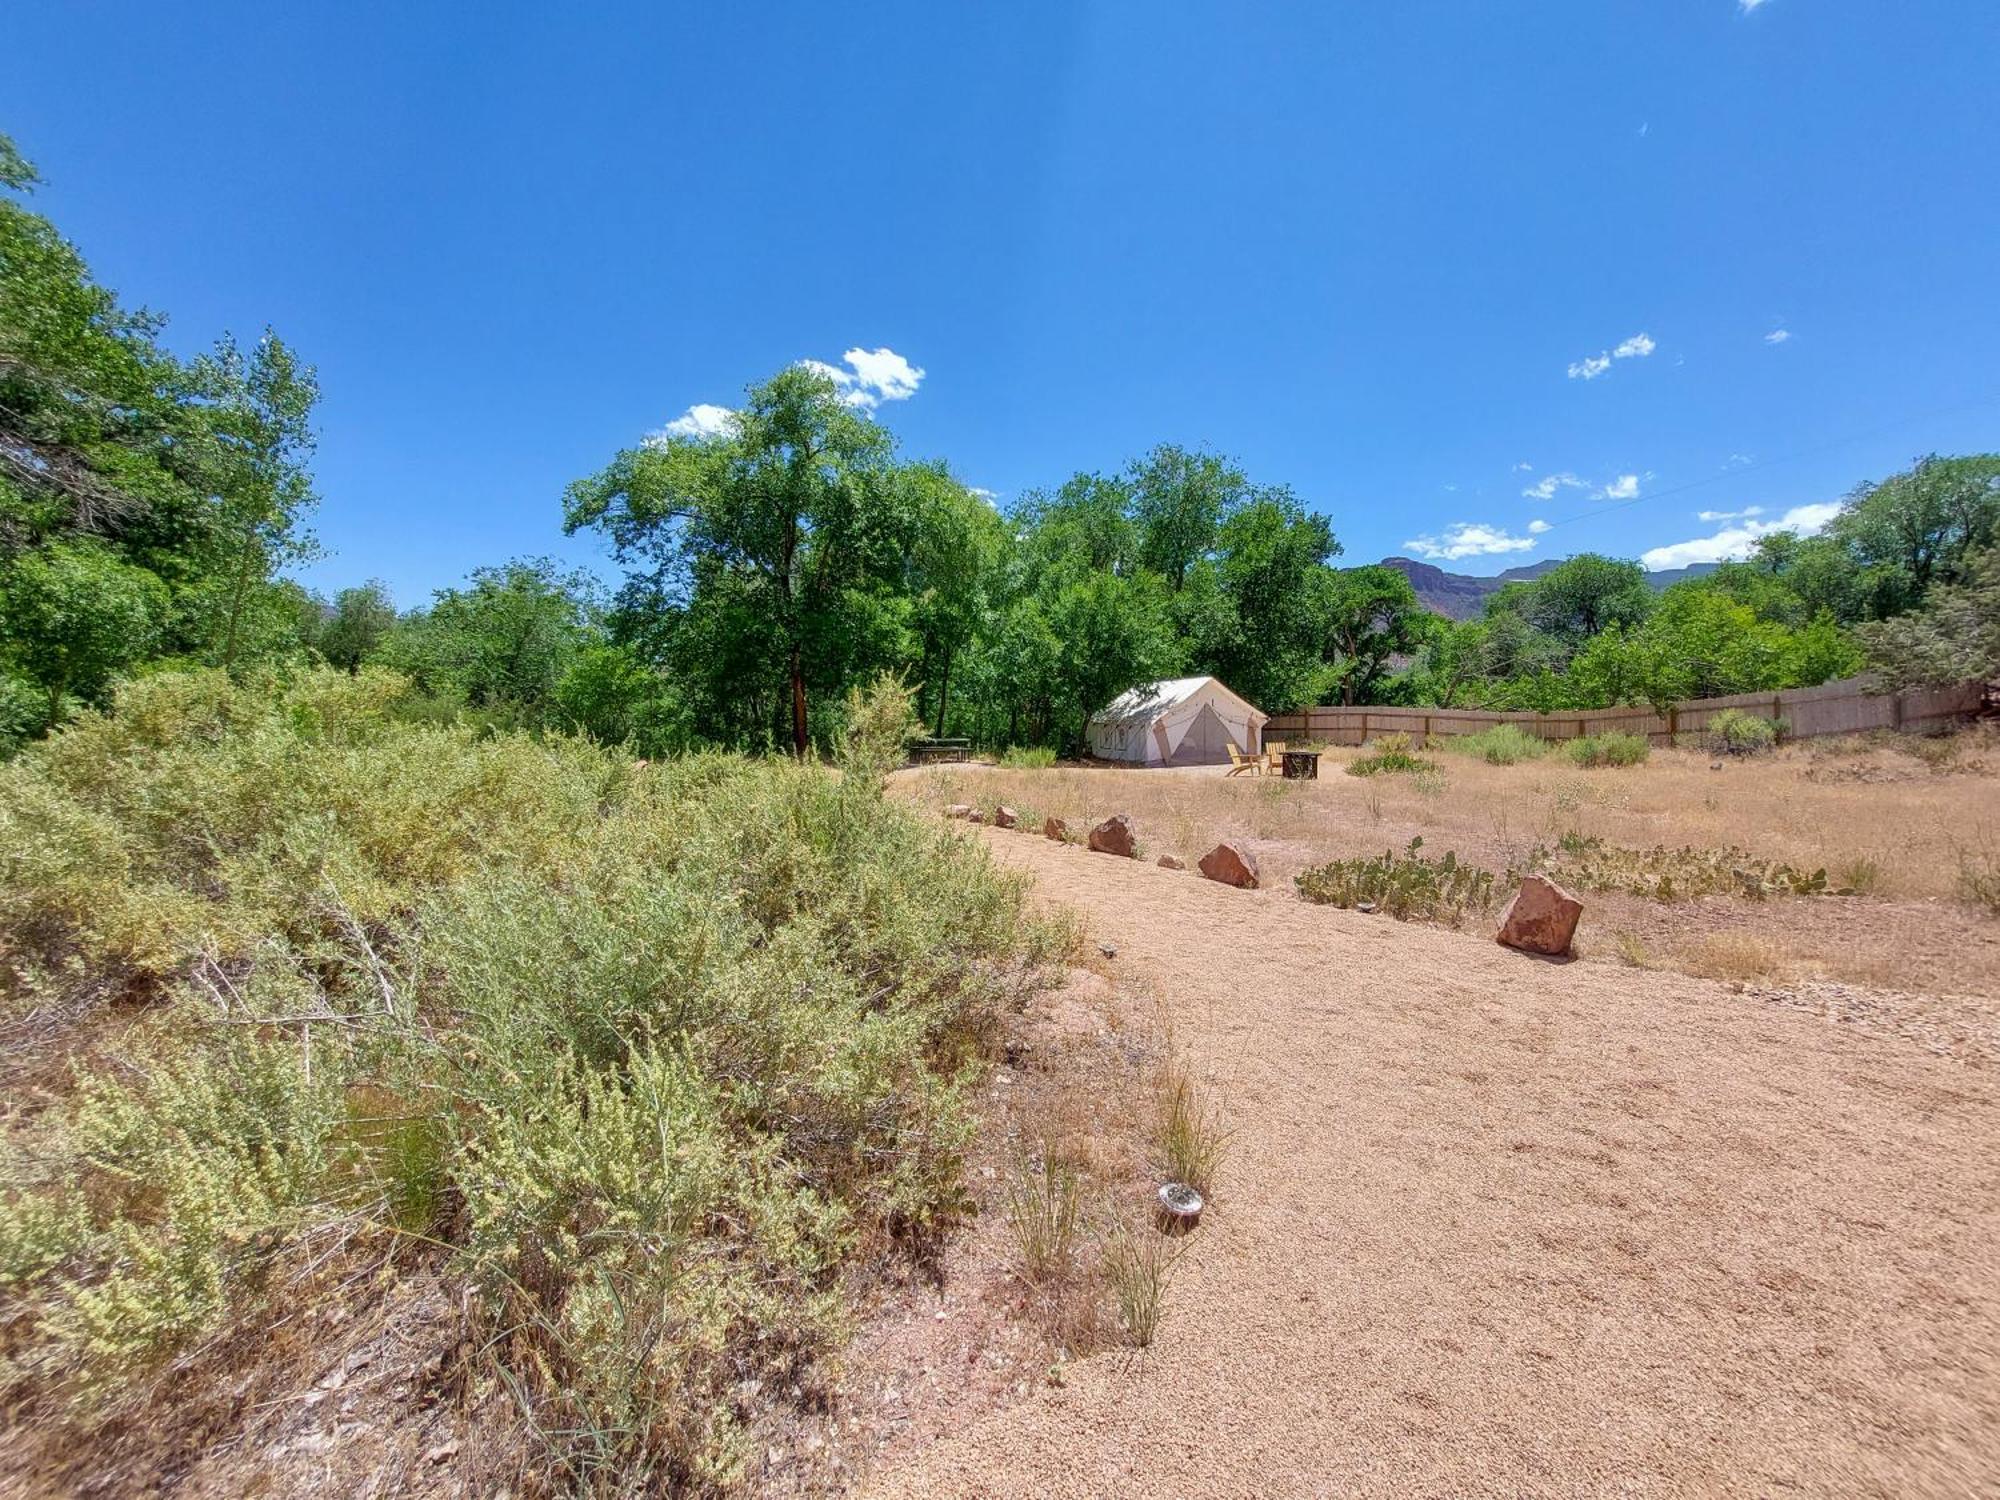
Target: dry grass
point(1138, 1263)
point(1738, 956)
point(1906, 812)
point(1045, 1209)
point(1896, 820)
point(1192, 1138)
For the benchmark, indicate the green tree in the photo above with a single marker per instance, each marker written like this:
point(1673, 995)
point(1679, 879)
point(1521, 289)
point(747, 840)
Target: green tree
point(1179, 503)
point(1955, 637)
point(1919, 527)
point(259, 409)
point(75, 614)
point(956, 543)
point(355, 625)
point(796, 517)
point(505, 641)
point(1584, 594)
point(1372, 617)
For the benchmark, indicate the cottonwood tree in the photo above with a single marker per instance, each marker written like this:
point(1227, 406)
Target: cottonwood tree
point(1920, 527)
point(259, 413)
point(792, 521)
point(1179, 502)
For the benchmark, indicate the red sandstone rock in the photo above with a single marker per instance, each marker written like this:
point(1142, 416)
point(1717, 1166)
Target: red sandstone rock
point(1542, 918)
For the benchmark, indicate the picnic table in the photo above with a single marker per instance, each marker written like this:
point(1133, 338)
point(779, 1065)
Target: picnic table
point(927, 752)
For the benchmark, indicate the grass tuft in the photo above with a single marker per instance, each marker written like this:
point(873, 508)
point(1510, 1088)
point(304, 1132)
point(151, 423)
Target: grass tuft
point(1045, 1210)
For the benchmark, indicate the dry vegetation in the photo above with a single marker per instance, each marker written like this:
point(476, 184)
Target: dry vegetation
point(1911, 826)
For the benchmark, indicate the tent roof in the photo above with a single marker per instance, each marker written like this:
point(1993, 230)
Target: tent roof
point(1149, 700)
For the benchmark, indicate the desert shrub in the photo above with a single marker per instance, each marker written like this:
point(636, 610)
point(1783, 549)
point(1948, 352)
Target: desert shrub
point(1979, 879)
point(1028, 757)
point(652, 1056)
point(1391, 762)
point(1501, 745)
point(1397, 743)
point(1733, 732)
point(1408, 886)
point(1857, 877)
point(1613, 748)
point(1672, 874)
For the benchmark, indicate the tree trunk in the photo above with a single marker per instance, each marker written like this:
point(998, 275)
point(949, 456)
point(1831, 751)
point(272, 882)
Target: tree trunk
point(798, 706)
point(944, 687)
point(241, 587)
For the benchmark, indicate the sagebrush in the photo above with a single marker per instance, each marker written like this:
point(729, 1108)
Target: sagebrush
point(646, 1055)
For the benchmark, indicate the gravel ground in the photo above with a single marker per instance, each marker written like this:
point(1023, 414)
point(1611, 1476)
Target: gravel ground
point(1497, 1226)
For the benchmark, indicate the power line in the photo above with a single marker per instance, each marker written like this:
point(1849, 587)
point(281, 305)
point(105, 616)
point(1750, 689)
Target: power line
point(1771, 463)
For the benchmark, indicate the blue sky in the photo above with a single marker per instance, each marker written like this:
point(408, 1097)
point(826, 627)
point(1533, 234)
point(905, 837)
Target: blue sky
point(1388, 254)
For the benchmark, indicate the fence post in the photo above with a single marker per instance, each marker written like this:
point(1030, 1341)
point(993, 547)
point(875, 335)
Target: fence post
point(1896, 709)
point(1673, 726)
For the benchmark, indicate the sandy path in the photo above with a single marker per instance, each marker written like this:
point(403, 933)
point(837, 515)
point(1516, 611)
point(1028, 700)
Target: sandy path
point(1492, 1226)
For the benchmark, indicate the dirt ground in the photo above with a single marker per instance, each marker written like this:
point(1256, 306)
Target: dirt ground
point(1901, 819)
point(1497, 1226)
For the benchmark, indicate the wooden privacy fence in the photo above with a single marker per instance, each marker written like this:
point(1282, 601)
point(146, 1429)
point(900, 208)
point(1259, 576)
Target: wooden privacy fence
point(1850, 706)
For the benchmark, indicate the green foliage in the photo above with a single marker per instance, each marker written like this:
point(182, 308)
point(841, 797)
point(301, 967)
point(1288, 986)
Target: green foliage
point(1501, 745)
point(505, 642)
point(1578, 599)
point(1028, 757)
point(74, 613)
point(1664, 874)
point(1955, 637)
point(1920, 527)
point(653, 1053)
point(146, 504)
point(1389, 762)
point(1613, 748)
point(1734, 732)
point(353, 628)
point(1371, 615)
point(1408, 886)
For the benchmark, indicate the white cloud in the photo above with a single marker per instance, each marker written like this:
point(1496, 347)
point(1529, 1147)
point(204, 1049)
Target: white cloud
point(1524, 468)
point(1737, 461)
point(1468, 539)
point(1777, 335)
point(1624, 487)
point(699, 421)
point(1636, 347)
point(1537, 526)
point(1545, 488)
point(991, 497)
point(1737, 541)
point(1729, 515)
point(1746, 6)
point(872, 376)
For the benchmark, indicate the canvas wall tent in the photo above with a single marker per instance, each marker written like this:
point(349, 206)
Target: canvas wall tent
point(1184, 721)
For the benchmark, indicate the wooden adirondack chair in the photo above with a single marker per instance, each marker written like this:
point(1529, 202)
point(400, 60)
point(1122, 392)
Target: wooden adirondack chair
point(1274, 757)
point(1239, 762)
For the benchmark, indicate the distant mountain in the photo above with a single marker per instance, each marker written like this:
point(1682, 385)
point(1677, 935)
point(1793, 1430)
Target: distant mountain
point(1460, 596)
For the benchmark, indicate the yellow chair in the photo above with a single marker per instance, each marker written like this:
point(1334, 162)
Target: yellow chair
point(1239, 762)
point(1274, 757)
